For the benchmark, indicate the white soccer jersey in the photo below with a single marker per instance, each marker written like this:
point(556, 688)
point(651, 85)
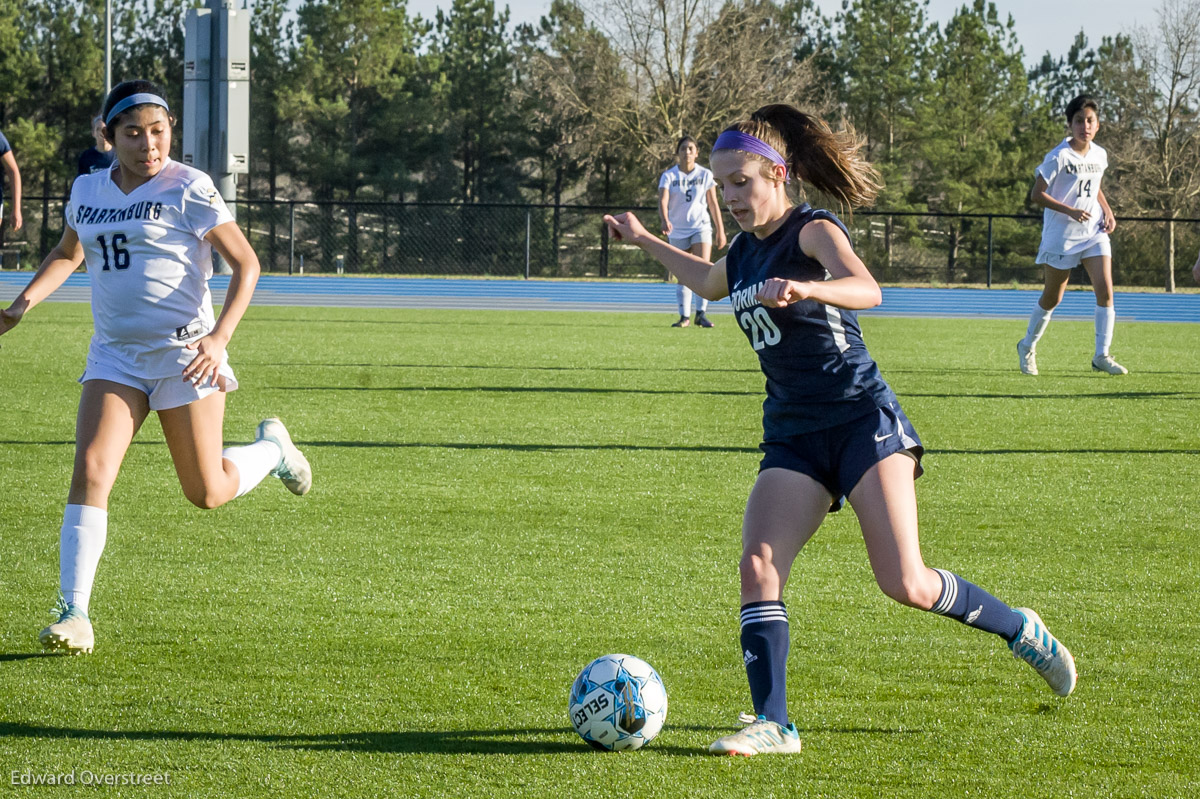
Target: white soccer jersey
point(149, 265)
point(687, 206)
point(1073, 179)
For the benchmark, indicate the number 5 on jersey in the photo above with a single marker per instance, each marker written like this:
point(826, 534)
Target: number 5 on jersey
point(120, 255)
point(763, 332)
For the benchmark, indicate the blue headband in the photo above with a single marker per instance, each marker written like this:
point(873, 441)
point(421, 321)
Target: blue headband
point(736, 140)
point(135, 99)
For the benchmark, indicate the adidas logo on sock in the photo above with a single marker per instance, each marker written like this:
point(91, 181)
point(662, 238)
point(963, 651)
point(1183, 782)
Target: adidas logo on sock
point(749, 657)
point(973, 615)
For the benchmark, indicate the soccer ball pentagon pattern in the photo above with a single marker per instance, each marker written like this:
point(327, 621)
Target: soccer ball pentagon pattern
point(618, 702)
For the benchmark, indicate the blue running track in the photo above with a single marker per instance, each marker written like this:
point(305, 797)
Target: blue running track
point(547, 295)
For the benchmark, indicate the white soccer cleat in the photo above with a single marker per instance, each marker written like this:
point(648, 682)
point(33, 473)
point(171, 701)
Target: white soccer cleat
point(72, 633)
point(293, 468)
point(1027, 358)
point(1105, 363)
point(1037, 647)
point(760, 738)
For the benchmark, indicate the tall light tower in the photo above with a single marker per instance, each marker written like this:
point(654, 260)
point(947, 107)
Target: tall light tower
point(107, 47)
point(216, 94)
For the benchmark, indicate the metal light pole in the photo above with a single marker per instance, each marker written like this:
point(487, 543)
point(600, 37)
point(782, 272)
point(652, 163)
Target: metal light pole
point(107, 47)
point(216, 92)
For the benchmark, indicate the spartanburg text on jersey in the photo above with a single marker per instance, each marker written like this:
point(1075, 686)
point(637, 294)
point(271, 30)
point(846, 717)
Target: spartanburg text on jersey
point(1073, 179)
point(687, 200)
point(819, 373)
point(149, 265)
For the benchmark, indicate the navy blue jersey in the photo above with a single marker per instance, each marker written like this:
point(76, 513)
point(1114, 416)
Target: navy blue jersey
point(92, 160)
point(819, 373)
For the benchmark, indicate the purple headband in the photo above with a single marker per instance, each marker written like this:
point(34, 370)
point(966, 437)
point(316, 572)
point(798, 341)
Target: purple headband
point(736, 140)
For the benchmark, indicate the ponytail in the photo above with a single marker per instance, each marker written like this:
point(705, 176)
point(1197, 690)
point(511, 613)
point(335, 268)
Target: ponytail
point(830, 161)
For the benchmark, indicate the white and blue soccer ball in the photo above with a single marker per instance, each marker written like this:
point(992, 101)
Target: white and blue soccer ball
point(618, 702)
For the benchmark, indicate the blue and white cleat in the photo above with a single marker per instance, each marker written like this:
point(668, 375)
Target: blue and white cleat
point(293, 468)
point(761, 737)
point(1037, 647)
point(72, 633)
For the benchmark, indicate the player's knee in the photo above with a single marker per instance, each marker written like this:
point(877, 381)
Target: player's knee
point(95, 473)
point(203, 497)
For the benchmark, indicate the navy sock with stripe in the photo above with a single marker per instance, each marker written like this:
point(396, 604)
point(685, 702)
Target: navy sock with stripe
point(970, 604)
point(764, 650)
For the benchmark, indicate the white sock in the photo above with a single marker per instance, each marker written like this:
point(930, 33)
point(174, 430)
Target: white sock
point(683, 295)
point(1106, 318)
point(84, 531)
point(254, 462)
point(1038, 320)
point(701, 304)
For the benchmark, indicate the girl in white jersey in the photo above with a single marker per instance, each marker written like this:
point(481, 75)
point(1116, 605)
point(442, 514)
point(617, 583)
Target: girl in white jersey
point(687, 206)
point(146, 229)
point(1075, 228)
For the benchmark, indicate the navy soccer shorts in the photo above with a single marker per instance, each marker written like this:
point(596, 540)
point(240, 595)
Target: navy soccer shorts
point(838, 457)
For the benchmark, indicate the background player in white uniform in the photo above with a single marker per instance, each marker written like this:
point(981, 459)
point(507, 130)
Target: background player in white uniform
point(146, 228)
point(1075, 228)
point(687, 206)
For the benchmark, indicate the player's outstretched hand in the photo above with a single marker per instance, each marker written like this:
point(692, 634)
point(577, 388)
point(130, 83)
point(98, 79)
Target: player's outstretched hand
point(9, 317)
point(625, 227)
point(210, 353)
point(777, 292)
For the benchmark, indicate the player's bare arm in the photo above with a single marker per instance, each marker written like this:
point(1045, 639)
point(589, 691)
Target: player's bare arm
point(1110, 219)
point(58, 265)
point(1042, 199)
point(664, 220)
point(14, 178)
point(714, 211)
point(706, 279)
point(231, 243)
point(851, 285)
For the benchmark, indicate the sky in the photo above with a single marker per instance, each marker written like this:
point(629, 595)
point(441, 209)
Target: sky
point(1041, 25)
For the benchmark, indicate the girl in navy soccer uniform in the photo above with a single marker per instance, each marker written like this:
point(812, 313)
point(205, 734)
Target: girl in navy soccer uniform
point(832, 428)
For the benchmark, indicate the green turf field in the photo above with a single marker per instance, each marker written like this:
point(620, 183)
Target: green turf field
point(501, 497)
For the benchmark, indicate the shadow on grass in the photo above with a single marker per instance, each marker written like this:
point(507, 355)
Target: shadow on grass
point(1081, 374)
point(600, 318)
point(1134, 395)
point(714, 449)
point(515, 741)
point(503, 368)
point(8, 657)
point(1083, 451)
point(524, 447)
point(649, 448)
point(525, 390)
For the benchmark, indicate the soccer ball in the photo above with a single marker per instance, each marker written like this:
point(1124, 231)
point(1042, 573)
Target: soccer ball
point(618, 702)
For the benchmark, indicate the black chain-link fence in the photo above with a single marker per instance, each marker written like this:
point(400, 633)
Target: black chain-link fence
point(570, 241)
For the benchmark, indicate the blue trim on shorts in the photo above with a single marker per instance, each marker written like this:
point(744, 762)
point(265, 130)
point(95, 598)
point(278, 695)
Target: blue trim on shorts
point(838, 457)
